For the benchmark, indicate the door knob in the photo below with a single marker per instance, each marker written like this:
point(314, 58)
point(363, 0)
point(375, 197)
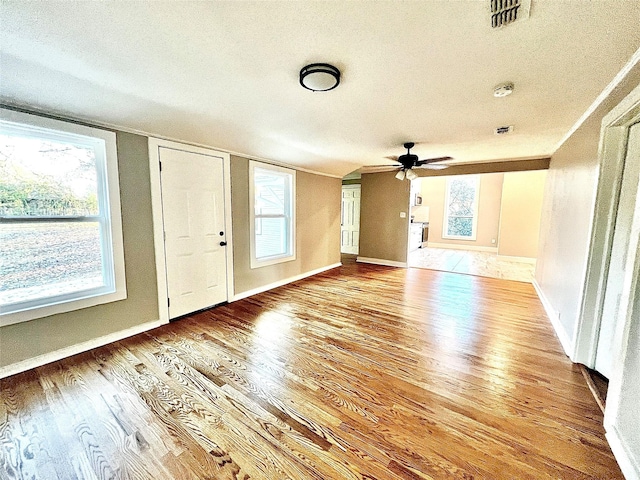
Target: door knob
point(222, 244)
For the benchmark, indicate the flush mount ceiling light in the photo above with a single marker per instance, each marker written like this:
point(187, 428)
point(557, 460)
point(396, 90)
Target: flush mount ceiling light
point(319, 77)
point(503, 90)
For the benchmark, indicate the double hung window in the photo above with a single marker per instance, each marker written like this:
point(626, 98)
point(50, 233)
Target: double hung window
point(272, 207)
point(461, 207)
point(60, 228)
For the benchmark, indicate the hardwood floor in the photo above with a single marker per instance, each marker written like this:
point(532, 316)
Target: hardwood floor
point(361, 372)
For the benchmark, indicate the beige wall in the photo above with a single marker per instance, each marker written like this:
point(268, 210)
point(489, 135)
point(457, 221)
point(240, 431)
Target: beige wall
point(520, 212)
point(383, 234)
point(317, 231)
point(567, 211)
point(37, 337)
point(433, 191)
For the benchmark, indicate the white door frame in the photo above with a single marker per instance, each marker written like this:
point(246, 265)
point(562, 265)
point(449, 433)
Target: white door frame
point(156, 207)
point(611, 154)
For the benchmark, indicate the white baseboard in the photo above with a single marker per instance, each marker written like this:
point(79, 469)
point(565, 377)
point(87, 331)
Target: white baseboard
point(455, 246)
point(65, 352)
point(280, 283)
point(555, 320)
point(381, 261)
point(629, 465)
point(529, 260)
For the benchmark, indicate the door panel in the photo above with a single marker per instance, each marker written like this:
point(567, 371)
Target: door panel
point(606, 354)
point(350, 219)
point(193, 213)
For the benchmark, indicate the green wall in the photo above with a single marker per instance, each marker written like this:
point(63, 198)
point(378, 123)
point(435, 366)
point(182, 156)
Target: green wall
point(383, 234)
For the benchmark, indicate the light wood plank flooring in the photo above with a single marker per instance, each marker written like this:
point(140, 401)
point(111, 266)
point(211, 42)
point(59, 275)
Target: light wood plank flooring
point(363, 372)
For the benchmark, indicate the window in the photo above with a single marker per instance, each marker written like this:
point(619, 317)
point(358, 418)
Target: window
point(461, 207)
point(272, 205)
point(60, 228)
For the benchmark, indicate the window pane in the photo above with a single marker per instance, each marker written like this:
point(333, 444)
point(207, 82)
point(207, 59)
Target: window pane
point(462, 193)
point(272, 239)
point(39, 260)
point(39, 177)
point(460, 226)
point(270, 191)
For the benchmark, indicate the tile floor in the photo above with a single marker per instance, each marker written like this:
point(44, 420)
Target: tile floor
point(483, 264)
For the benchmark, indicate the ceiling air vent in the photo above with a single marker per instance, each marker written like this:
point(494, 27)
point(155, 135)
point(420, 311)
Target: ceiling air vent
point(504, 12)
point(503, 130)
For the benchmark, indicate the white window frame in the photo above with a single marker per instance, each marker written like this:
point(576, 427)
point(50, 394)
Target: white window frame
point(104, 144)
point(291, 217)
point(476, 201)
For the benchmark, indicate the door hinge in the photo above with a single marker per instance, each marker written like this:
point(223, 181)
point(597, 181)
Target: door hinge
point(160, 163)
point(168, 302)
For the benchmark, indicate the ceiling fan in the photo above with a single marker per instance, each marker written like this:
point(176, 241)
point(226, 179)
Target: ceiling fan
point(408, 162)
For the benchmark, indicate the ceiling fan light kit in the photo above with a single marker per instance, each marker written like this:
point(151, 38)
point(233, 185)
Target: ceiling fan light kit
point(409, 161)
point(319, 77)
point(411, 175)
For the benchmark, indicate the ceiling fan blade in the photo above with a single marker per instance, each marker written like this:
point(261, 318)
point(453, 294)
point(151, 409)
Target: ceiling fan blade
point(432, 160)
point(432, 166)
point(379, 168)
point(392, 157)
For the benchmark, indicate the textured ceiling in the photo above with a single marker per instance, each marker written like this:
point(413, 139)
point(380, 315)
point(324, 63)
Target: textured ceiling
point(225, 74)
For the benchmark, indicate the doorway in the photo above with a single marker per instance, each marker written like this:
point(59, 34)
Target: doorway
point(608, 333)
point(484, 224)
point(192, 227)
point(350, 219)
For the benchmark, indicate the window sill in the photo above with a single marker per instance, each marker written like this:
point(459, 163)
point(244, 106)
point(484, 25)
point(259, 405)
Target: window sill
point(271, 261)
point(61, 307)
point(450, 237)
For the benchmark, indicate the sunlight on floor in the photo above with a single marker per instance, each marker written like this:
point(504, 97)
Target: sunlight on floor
point(483, 264)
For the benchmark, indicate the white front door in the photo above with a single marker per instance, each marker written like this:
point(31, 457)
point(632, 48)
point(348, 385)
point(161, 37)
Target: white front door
point(620, 251)
point(194, 230)
point(350, 220)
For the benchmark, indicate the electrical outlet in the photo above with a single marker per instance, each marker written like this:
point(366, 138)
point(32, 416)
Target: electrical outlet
point(403, 214)
point(493, 240)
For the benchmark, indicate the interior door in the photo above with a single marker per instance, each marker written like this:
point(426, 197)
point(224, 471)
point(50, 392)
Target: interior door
point(606, 353)
point(350, 220)
point(193, 218)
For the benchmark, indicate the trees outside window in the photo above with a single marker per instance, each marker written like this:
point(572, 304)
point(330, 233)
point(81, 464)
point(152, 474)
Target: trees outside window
point(461, 207)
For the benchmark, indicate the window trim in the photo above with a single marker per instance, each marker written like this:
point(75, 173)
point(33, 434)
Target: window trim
point(476, 204)
point(111, 223)
point(291, 255)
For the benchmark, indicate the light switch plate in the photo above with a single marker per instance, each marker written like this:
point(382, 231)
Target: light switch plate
point(403, 214)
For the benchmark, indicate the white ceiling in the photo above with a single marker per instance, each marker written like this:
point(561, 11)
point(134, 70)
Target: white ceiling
point(225, 74)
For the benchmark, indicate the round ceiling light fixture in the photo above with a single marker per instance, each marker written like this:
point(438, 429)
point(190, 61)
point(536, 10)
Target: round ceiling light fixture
point(503, 90)
point(319, 77)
